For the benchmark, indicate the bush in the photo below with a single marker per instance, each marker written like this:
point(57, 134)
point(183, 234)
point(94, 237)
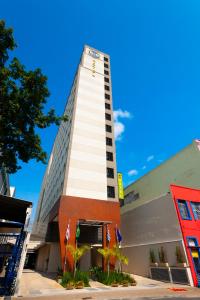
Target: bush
point(80, 276)
point(113, 277)
point(152, 256)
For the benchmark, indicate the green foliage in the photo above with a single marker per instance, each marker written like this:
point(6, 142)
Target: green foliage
point(179, 255)
point(152, 256)
point(77, 253)
point(80, 276)
point(107, 253)
point(162, 255)
point(23, 95)
point(122, 259)
point(112, 277)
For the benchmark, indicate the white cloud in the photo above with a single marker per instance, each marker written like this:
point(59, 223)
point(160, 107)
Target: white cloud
point(119, 126)
point(132, 172)
point(150, 157)
point(144, 167)
point(121, 114)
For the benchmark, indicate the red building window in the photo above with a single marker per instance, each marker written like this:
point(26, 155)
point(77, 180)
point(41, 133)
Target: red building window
point(196, 210)
point(184, 210)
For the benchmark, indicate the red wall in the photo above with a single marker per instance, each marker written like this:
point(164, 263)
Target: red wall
point(189, 228)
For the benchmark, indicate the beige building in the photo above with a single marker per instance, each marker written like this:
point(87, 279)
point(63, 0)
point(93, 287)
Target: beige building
point(82, 164)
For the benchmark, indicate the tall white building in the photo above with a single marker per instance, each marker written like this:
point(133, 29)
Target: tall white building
point(82, 167)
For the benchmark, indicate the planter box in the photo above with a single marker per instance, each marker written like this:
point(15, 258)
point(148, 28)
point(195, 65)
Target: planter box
point(181, 265)
point(154, 264)
point(133, 283)
point(163, 265)
point(114, 285)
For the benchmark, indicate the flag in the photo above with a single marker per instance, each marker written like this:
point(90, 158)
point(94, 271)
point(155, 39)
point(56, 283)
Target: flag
point(118, 235)
point(108, 234)
point(78, 232)
point(67, 235)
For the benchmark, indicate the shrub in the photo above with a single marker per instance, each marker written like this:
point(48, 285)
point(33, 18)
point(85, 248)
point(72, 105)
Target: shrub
point(162, 255)
point(152, 256)
point(68, 277)
point(179, 255)
point(113, 277)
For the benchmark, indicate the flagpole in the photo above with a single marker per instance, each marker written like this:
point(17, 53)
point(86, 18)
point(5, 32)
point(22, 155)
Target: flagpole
point(67, 236)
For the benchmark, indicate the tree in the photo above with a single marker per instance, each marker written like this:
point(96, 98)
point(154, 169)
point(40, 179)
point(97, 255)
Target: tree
point(122, 259)
point(107, 253)
point(23, 95)
point(77, 253)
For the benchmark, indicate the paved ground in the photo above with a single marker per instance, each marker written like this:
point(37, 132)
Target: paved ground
point(38, 286)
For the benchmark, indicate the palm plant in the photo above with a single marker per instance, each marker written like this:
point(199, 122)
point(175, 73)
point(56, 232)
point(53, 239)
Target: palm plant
point(77, 253)
point(106, 253)
point(122, 259)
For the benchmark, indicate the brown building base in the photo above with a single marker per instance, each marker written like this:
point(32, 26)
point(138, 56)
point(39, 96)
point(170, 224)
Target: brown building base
point(70, 210)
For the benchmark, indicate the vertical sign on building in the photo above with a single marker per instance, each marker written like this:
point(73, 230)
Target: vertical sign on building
point(120, 186)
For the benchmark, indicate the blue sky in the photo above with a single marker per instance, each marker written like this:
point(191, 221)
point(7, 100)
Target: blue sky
point(155, 63)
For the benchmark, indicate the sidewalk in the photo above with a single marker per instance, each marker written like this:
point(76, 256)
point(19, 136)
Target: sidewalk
point(38, 286)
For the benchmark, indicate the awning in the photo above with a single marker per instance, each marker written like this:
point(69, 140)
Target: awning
point(94, 222)
point(13, 209)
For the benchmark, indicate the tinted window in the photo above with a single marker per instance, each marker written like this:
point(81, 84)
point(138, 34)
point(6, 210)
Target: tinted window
point(108, 141)
point(107, 96)
point(108, 117)
point(111, 191)
point(184, 210)
point(196, 209)
point(109, 156)
point(107, 88)
point(107, 105)
point(110, 172)
point(108, 128)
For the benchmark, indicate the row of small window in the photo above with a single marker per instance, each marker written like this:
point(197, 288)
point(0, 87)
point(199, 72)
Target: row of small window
point(185, 211)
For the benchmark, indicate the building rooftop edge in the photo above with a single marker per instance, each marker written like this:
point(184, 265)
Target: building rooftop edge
point(95, 50)
point(164, 162)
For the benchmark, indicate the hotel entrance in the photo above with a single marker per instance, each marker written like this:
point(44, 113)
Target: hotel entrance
point(91, 234)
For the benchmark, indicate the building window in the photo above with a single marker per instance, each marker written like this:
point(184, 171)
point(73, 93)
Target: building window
point(108, 141)
point(110, 172)
point(107, 96)
point(105, 58)
point(107, 105)
point(110, 191)
point(108, 117)
point(109, 156)
point(196, 210)
point(107, 88)
point(184, 210)
point(108, 128)
point(106, 66)
point(106, 79)
point(106, 72)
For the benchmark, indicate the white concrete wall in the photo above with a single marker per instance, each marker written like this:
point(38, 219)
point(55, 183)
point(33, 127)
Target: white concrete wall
point(54, 258)
point(150, 226)
point(87, 166)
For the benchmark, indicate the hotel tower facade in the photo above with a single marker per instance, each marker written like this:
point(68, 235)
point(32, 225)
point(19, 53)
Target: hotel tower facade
point(80, 183)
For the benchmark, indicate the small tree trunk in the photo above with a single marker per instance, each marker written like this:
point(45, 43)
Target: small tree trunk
point(108, 267)
point(74, 269)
